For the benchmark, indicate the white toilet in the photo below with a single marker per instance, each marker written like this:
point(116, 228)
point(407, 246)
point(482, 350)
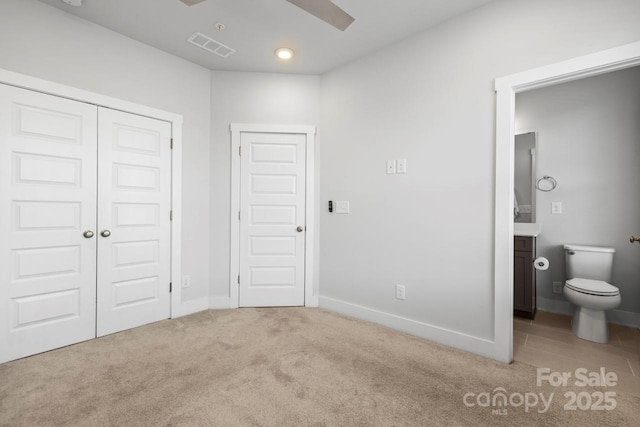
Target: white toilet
point(589, 270)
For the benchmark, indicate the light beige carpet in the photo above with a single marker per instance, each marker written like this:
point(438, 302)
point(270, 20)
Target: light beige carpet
point(275, 367)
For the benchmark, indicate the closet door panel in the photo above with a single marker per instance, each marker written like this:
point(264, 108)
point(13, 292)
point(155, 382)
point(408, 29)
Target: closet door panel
point(134, 188)
point(48, 182)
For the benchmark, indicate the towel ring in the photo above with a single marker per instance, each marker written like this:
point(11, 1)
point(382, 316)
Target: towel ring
point(551, 181)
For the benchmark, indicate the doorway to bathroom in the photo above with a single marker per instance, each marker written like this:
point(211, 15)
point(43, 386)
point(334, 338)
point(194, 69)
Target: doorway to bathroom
point(588, 145)
point(588, 142)
point(616, 59)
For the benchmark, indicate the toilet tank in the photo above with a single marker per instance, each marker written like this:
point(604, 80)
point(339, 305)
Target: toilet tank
point(589, 262)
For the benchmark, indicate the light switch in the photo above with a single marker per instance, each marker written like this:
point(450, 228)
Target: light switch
point(556, 208)
point(342, 207)
point(402, 166)
point(391, 166)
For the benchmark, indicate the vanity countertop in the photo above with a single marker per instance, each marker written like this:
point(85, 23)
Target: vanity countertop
point(526, 229)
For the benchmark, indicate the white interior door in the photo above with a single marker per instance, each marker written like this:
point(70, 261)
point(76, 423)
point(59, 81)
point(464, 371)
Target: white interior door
point(272, 219)
point(47, 202)
point(134, 231)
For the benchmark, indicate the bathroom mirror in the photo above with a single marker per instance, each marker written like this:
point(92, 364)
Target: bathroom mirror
point(524, 209)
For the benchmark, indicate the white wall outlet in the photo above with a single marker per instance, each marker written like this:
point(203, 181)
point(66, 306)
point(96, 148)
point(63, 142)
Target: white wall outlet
point(556, 208)
point(401, 166)
point(400, 292)
point(342, 207)
point(186, 281)
point(391, 166)
point(557, 287)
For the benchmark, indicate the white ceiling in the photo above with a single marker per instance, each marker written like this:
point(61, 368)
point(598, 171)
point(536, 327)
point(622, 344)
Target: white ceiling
point(255, 28)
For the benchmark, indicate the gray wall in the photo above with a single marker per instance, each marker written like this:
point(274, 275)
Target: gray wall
point(430, 99)
point(589, 140)
point(41, 41)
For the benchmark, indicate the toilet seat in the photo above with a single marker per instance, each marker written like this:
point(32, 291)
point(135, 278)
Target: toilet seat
point(592, 287)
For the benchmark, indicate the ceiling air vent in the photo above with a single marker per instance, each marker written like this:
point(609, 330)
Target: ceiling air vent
point(207, 43)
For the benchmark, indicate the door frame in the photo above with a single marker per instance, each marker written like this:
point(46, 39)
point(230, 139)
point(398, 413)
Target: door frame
point(606, 61)
point(310, 299)
point(50, 88)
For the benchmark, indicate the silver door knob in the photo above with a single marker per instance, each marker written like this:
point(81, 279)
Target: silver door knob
point(88, 234)
point(105, 233)
point(300, 229)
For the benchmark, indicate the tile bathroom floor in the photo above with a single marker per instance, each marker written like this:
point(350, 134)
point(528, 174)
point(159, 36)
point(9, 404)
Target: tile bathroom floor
point(548, 342)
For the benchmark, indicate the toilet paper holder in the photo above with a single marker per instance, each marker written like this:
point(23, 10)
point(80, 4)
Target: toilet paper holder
point(541, 263)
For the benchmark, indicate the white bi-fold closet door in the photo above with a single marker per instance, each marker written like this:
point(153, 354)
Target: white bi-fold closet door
point(84, 221)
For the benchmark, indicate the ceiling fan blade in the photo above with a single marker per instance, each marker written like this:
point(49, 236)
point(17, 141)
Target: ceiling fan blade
point(327, 11)
point(191, 2)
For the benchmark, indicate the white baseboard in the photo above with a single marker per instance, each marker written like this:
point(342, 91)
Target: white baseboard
point(190, 307)
point(554, 306)
point(624, 318)
point(220, 303)
point(483, 347)
point(619, 317)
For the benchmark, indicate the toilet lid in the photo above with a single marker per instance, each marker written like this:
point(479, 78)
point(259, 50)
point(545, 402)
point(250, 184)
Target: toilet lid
point(593, 287)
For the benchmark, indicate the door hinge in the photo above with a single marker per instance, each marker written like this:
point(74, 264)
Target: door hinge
point(170, 287)
point(170, 215)
point(238, 214)
point(239, 150)
point(238, 279)
point(172, 143)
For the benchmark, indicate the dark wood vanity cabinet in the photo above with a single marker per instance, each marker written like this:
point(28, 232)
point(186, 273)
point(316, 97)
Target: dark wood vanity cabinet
point(524, 277)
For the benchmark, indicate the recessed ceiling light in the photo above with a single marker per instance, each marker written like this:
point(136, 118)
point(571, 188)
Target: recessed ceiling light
point(284, 53)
